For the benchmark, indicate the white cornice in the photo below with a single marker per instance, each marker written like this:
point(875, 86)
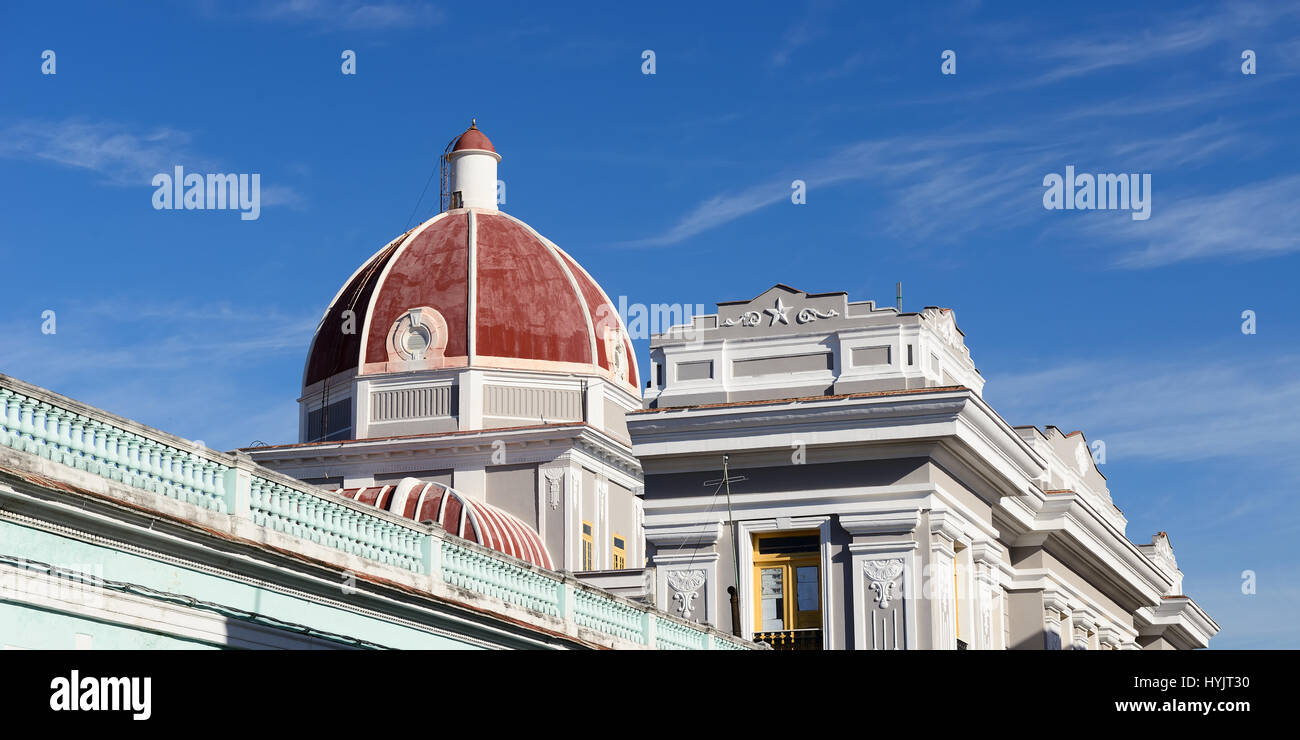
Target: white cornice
point(849, 501)
point(839, 420)
point(703, 534)
point(1071, 528)
point(439, 448)
point(882, 521)
point(1180, 620)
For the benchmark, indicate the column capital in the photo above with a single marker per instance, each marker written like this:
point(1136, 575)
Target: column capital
point(884, 521)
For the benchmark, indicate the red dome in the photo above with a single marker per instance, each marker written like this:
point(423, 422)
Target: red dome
point(509, 299)
point(473, 139)
point(459, 515)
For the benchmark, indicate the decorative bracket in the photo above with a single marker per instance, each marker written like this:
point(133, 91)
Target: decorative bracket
point(882, 574)
point(685, 583)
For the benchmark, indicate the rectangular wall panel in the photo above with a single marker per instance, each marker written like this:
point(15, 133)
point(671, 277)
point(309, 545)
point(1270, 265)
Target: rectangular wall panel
point(870, 356)
point(410, 403)
point(695, 370)
point(780, 365)
point(537, 404)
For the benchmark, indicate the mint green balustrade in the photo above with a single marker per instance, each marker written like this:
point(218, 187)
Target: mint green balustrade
point(722, 644)
point(68, 438)
point(133, 457)
point(499, 578)
point(333, 524)
point(604, 614)
point(673, 636)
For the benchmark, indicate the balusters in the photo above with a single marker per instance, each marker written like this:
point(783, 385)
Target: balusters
point(63, 425)
point(65, 437)
point(111, 469)
point(38, 428)
point(313, 521)
point(205, 473)
point(133, 460)
point(8, 417)
point(78, 435)
point(12, 415)
point(44, 419)
point(27, 408)
point(219, 482)
point(5, 396)
point(155, 466)
point(99, 448)
point(187, 479)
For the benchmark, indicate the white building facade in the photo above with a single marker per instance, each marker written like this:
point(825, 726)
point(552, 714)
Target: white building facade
point(876, 501)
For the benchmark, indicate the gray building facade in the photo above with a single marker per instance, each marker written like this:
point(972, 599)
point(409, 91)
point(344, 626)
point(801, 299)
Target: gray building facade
point(876, 501)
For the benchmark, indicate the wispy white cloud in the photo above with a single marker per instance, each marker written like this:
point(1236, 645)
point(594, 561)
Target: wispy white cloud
point(120, 156)
point(1180, 34)
point(1050, 59)
point(178, 367)
point(1186, 415)
point(166, 337)
point(898, 162)
point(1176, 150)
point(1248, 221)
point(1082, 56)
point(1185, 409)
point(353, 15)
point(807, 29)
point(1160, 104)
point(942, 187)
point(938, 185)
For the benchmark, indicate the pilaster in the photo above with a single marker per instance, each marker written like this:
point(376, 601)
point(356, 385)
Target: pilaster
point(883, 565)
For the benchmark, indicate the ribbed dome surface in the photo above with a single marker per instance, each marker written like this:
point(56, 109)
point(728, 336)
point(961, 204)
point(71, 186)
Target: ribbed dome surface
point(510, 299)
point(458, 514)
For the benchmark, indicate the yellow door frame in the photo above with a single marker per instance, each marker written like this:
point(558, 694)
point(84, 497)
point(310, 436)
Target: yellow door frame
point(789, 563)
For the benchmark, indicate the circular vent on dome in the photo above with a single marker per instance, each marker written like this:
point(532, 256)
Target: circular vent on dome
point(418, 336)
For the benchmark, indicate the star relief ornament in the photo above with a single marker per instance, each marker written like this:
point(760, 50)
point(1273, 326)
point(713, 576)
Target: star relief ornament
point(778, 312)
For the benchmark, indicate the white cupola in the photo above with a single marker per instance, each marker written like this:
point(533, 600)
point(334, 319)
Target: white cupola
point(473, 164)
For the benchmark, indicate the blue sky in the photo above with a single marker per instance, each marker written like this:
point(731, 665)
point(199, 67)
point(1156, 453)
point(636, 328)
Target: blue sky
point(675, 188)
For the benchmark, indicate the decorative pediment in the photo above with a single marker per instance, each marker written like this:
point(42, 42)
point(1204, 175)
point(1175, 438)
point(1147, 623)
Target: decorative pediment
point(943, 322)
point(1163, 552)
point(781, 305)
point(1082, 456)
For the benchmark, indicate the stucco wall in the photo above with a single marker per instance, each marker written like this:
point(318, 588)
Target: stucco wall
point(141, 629)
point(513, 488)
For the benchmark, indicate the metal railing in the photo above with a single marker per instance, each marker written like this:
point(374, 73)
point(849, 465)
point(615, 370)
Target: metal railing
point(805, 639)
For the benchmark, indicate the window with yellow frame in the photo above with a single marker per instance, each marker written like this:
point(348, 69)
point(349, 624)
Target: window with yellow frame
point(787, 581)
point(620, 552)
point(588, 548)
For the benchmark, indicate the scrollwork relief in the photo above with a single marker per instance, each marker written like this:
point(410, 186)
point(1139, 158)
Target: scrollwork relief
point(812, 314)
point(883, 574)
point(686, 584)
point(748, 318)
